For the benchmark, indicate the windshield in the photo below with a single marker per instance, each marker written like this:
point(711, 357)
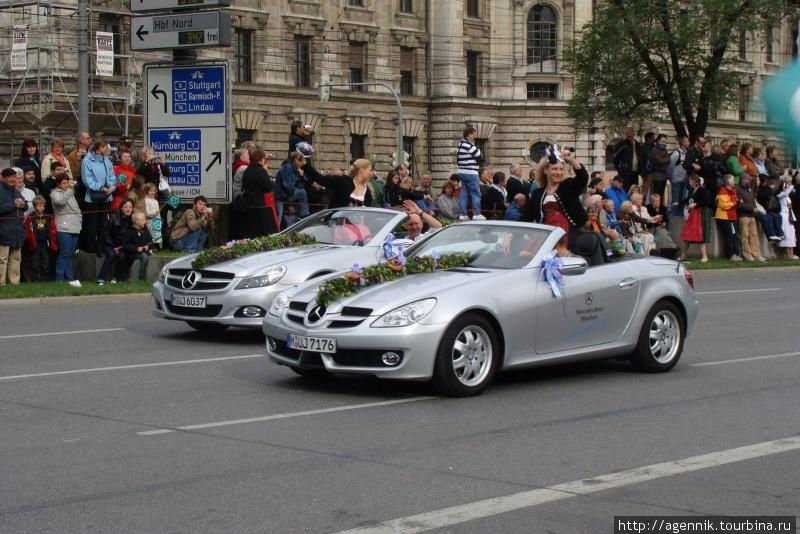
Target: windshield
point(353, 226)
point(491, 247)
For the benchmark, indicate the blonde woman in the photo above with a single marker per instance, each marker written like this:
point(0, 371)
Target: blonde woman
point(348, 190)
point(56, 154)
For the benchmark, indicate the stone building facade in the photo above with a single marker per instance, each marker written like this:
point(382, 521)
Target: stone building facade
point(494, 64)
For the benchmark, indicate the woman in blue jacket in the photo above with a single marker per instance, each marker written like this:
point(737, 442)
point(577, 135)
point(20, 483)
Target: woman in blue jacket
point(97, 174)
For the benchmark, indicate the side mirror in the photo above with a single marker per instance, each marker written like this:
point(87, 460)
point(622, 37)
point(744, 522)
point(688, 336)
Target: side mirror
point(572, 266)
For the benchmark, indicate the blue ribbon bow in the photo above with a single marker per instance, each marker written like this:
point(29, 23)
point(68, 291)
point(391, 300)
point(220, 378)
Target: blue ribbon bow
point(390, 250)
point(551, 265)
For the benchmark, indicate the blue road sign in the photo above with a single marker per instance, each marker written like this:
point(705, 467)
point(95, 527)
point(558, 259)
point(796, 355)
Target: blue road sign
point(181, 151)
point(198, 90)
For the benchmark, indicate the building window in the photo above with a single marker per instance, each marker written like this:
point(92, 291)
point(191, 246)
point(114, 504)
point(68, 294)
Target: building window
point(244, 55)
point(481, 144)
point(542, 91)
point(408, 148)
point(472, 74)
point(542, 33)
point(538, 151)
point(473, 9)
point(358, 65)
point(357, 3)
point(742, 44)
point(744, 101)
point(406, 71)
point(243, 135)
point(770, 44)
point(357, 146)
point(302, 61)
point(406, 6)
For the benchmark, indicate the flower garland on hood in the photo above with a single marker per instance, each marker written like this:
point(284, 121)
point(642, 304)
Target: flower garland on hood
point(358, 277)
point(245, 247)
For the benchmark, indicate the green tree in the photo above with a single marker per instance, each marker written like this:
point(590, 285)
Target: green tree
point(639, 59)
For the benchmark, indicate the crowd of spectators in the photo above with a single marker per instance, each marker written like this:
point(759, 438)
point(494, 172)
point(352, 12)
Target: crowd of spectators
point(118, 209)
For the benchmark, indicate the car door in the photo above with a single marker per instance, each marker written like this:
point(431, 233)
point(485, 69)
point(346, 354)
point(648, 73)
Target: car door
point(595, 308)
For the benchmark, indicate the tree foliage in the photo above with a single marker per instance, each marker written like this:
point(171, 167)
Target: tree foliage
point(643, 59)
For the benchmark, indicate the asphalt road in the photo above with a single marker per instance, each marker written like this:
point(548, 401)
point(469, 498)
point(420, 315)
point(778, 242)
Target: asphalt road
point(145, 426)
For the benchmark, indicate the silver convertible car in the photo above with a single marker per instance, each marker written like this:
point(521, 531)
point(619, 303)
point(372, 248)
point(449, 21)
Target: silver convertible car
point(460, 326)
point(239, 292)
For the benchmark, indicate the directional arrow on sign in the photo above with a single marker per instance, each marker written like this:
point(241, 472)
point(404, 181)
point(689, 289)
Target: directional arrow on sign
point(155, 92)
point(140, 32)
point(217, 159)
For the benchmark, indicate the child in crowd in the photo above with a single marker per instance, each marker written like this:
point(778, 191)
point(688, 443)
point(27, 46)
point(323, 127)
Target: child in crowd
point(40, 231)
point(152, 212)
point(136, 245)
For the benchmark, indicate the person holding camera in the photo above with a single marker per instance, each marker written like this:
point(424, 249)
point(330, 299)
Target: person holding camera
point(68, 227)
point(97, 175)
point(136, 245)
point(298, 134)
point(190, 232)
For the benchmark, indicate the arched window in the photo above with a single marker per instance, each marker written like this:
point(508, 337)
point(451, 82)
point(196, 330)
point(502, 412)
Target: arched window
point(537, 151)
point(542, 32)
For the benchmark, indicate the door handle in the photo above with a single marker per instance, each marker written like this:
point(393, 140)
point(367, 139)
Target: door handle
point(628, 282)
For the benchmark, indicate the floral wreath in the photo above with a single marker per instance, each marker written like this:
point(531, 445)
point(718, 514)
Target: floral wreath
point(358, 277)
point(244, 247)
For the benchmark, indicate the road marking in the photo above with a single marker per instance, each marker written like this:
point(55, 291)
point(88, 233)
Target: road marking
point(736, 291)
point(134, 366)
point(750, 359)
point(516, 501)
point(68, 333)
point(289, 415)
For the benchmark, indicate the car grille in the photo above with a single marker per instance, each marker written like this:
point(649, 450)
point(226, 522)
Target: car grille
point(209, 280)
point(211, 310)
point(350, 315)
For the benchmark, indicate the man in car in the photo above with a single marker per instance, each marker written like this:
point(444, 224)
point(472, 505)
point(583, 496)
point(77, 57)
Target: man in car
point(416, 217)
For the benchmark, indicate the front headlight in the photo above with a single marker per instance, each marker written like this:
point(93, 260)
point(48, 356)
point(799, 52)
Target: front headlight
point(405, 315)
point(279, 304)
point(162, 276)
point(270, 276)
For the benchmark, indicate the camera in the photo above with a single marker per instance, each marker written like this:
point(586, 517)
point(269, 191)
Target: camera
point(570, 148)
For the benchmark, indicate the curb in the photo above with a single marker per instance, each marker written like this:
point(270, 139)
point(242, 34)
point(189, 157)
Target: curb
point(88, 299)
point(744, 270)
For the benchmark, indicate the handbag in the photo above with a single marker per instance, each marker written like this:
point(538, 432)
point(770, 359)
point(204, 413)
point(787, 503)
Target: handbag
point(163, 184)
point(97, 196)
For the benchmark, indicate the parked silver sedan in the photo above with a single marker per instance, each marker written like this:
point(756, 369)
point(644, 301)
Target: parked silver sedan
point(460, 326)
point(239, 292)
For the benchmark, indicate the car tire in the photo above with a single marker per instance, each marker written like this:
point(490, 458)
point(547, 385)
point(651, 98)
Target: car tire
point(312, 374)
point(661, 339)
point(467, 358)
point(208, 328)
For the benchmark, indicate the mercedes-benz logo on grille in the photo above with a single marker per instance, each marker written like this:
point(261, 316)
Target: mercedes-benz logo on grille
point(190, 280)
point(316, 313)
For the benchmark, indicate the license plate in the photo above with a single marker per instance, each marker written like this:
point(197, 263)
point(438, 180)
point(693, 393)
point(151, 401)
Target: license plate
point(188, 301)
point(313, 344)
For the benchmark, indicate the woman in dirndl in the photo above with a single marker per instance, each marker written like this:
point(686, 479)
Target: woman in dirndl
point(697, 227)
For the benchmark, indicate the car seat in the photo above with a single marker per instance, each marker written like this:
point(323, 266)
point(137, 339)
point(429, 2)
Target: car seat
point(591, 246)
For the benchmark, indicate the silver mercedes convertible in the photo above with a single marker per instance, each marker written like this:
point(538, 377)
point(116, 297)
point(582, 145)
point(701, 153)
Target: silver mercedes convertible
point(511, 304)
point(239, 292)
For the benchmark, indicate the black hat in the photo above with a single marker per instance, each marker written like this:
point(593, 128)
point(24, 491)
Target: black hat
point(8, 172)
point(618, 178)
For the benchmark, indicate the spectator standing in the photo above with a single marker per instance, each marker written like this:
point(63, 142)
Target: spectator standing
point(56, 154)
point(516, 183)
point(153, 216)
point(733, 164)
point(647, 162)
point(68, 228)
point(29, 157)
point(714, 169)
point(154, 171)
point(118, 224)
point(789, 241)
point(469, 162)
point(290, 185)
point(97, 174)
point(682, 162)
point(627, 158)
point(516, 208)
point(697, 228)
point(761, 167)
point(428, 203)
point(727, 202)
point(616, 193)
point(376, 188)
point(494, 200)
point(124, 171)
point(746, 160)
point(27, 194)
point(75, 158)
point(298, 134)
point(136, 194)
point(259, 196)
point(12, 231)
point(447, 203)
point(190, 231)
point(392, 196)
point(773, 166)
point(40, 230)
point(660, 162)
point(794, 197)
point(29, 177)
point(136, 245)
point(746, 215)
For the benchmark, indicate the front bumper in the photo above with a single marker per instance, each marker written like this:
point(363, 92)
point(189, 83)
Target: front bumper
point(359, 349)
point(222, 307)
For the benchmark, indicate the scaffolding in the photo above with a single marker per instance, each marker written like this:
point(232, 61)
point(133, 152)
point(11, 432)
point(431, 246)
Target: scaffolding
point(42, 101)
